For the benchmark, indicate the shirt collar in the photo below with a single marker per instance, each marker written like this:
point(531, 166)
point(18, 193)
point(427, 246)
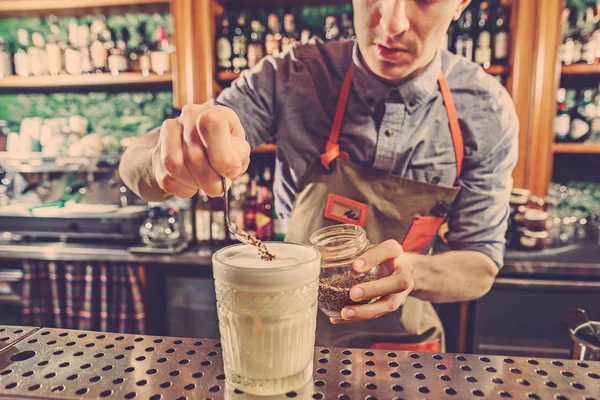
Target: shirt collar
point(413, 92)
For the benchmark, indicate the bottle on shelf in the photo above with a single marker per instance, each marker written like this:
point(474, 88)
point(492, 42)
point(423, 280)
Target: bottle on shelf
point(347, 27)
point(99, 45)
point(265, 228)
point(117, 60)
point(54, 53)
point(37, 55)
point(202, 217)
point(249, 206)
point(305, 36)
point(595, 121)
point(273, 37)
point(332, 31)
point(161, 57)
point(256, 50)
point(588, 38)
point(236, 210)
point(72, 54)
point(465, 41)
point(144, 51)
point(5, 60)
point(585, 110)
point(501, 36)
point(83, 45)
point(562, 122)
point(218, 231)
point(224, 51)
point(240, 44)
point(22, 67)
point(290, 35)
point(483, 52)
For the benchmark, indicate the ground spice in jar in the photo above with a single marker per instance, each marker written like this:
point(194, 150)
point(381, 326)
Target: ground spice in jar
point(334, 291)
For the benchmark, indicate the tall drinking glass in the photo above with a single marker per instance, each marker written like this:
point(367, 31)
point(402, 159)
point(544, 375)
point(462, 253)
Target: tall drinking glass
point(267, 316)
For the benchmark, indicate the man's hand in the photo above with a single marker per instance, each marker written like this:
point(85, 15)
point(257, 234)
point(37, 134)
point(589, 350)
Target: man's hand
point(195, 150)
point(393, 288)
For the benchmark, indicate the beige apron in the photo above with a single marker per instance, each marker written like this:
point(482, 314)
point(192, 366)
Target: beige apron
point(334, 190)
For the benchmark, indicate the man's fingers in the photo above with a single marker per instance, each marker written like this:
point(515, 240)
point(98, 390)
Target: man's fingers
point(394, 283)
point(178, 189)
point(385, 305)
point(217, 127)
point(172, 155)
point(202, 172)
point(387, 250)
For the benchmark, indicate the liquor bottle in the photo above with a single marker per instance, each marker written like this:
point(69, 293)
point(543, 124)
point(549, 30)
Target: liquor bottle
point(577, 38)
point(83, 45)
point(38, 61)
point(305, 36)
point(240, 45)
point(332, 31)
point(273, 37)
point(5, 60)
point(224, 50)
point(218, 232)
point(117, 60)
point(249, 207)
point(144, 51)
point(255, 49)
point(202, 216)
point(98, 49)
point(236, 210)
point(161, 57)
point(290, 35)
point(72, 53)
point(580, 127)
point(500, 41)
point(587, 35)
point(347, 27)
point(562, 122)
point(467, 38)
point(22, 67)
point(54, 55)
point(265, 227)
point(595, 122)
point(483, 53)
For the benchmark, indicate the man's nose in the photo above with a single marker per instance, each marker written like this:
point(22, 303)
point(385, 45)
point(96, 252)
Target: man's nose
point(394, 20)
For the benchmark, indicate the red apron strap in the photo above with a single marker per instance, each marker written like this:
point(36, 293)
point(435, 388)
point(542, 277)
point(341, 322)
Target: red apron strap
point(332, 148)
point(457, 139)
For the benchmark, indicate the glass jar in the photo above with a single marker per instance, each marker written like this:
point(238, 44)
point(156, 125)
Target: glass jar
point(340, 246)
point(267, 314)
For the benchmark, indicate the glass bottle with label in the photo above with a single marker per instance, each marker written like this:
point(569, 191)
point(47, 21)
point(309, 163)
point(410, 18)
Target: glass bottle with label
point(144, 52)
point(347, 27)
point(595, 122)
point(83, 45)
point(98, 49)
point(483, 53)
point(290, 35)
point(467, 37)
point(305, 36)
point(117, 60)
point(588, 38)
point(332, 31)
point(161, 57)
point(54, 54)
point(22, 67)
point(72, 53)
point(250, 207)
point(265, 228)
point(218, 231)
point(202, 216)
point(273, 38)
point(5, 60)
point(224, 50)
point(240, 45)
point(580, 126)
point(501, 37)
point(255, 49)
point(562, 122)
point(37, 55)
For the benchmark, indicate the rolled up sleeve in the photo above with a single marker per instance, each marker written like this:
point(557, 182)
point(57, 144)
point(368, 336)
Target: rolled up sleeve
point(479, 218)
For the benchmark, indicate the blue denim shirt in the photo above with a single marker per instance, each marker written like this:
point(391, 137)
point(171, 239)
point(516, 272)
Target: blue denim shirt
point(402, 130)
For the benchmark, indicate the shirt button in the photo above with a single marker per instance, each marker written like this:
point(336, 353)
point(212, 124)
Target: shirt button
point(388, 133)
point(412, 103)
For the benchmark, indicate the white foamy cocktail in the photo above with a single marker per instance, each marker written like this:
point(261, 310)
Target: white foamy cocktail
point(267, 316)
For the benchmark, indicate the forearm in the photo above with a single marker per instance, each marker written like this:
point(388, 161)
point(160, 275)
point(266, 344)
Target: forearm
point(136, 171)
point(453, 276)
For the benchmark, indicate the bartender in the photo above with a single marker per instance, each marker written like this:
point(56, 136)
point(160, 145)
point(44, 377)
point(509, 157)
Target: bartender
point(398, 131)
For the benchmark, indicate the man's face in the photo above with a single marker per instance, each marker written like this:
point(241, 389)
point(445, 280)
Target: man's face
point(398, 38)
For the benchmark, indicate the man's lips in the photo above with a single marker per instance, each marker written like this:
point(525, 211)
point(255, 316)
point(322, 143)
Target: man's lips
point(390, 53)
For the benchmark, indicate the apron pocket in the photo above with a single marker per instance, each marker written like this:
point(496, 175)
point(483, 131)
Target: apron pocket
point(421, 232)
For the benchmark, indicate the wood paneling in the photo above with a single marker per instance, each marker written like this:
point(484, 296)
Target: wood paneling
point(546, 76)
point(519, 81)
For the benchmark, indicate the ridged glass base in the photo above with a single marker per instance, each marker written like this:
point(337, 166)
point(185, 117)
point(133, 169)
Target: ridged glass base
point(270, 387)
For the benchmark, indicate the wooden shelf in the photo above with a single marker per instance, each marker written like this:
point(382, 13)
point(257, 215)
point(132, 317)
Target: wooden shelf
point(106, 79)
point(227, 76)
point(576, 148)
point(581, 69)
point(265, 148)
point(497, 70)
point(45, 5)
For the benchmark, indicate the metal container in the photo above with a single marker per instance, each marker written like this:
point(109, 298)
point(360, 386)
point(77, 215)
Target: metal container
point(586, 346)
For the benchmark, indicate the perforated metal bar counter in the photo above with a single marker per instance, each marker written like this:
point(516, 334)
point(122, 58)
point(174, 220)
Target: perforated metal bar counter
point(40, 363)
